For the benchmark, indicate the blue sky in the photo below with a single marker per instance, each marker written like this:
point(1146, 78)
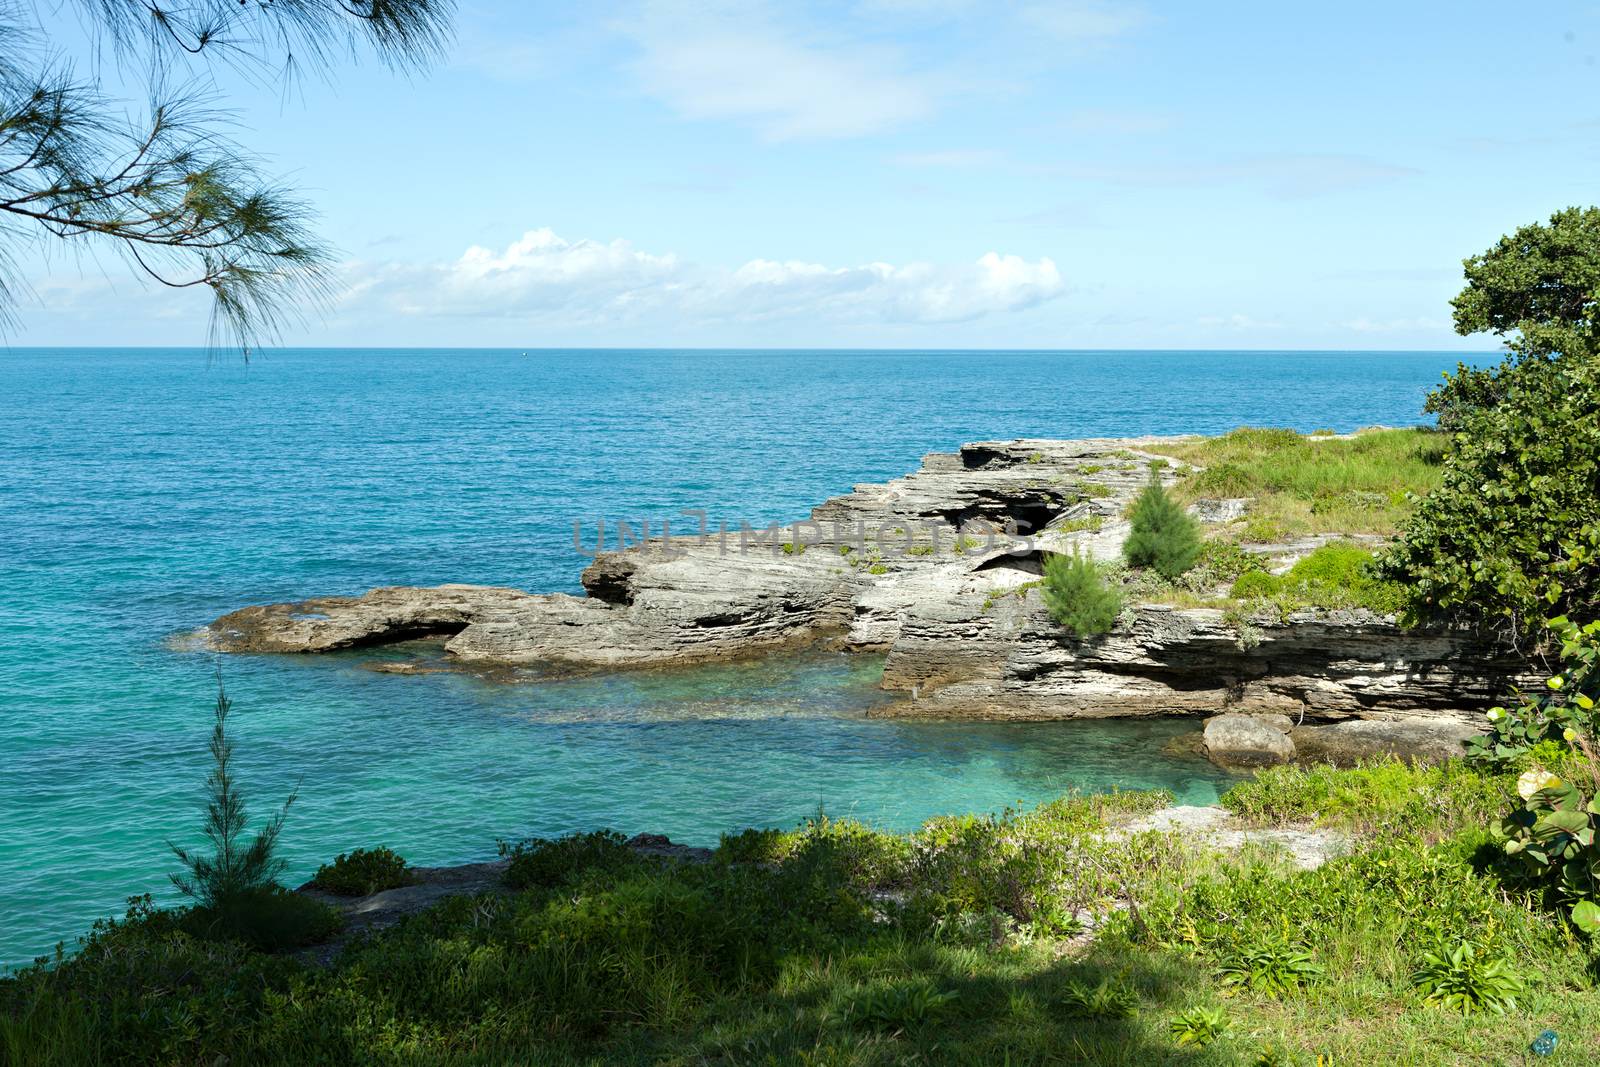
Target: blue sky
point(935, 173)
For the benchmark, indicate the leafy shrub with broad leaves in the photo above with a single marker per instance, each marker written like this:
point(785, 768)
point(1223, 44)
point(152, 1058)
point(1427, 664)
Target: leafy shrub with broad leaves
point(364, 872)
point(1274, 969)
point(899, 1006)
point(1105, 999)
point(1563, 714)
point(1465, 979)
point(1200, 1026)
point(1549, 841)
point(1078, 596)
point(1163, 537)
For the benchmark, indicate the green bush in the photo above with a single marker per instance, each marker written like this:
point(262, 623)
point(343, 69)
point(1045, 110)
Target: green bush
point(1273, 969)
point(1461, 979)
point(1513, 532)
point(1562, 715)
point(1163, 536)
point(1256, 585)
point(1200, 1026)
point(363, 872)
point(899, 1005)
point(1224, 560)
point(1078, 596)
point(1376, 794)
point(542, 862)
point(268, 919)
point(1105, 999)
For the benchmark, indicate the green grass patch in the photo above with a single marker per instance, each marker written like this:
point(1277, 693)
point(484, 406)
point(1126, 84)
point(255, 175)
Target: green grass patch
point(1337, 575)
point(1307, 485)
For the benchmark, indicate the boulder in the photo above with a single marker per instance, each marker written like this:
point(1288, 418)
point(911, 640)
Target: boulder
point(1347, 743)
point(1246, 741)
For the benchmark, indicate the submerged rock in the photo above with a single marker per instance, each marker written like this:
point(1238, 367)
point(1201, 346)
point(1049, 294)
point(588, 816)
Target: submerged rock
point(1246, 741)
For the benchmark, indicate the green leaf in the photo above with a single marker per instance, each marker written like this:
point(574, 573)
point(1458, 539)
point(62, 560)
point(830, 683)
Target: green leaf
point(1586, 916)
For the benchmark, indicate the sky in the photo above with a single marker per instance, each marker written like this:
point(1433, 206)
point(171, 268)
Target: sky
point(906, 173)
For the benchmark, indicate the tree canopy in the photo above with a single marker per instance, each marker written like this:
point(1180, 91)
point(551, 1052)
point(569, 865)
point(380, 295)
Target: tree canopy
point(164, 186)
point(1512, 535)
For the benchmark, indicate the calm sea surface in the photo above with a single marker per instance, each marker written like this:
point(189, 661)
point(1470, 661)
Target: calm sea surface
point(144, 492)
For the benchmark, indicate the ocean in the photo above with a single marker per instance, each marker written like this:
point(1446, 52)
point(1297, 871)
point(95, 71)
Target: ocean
point(143, 492)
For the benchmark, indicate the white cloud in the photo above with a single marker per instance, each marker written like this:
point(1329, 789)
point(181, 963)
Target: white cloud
point(546, 277)
point(736, 62)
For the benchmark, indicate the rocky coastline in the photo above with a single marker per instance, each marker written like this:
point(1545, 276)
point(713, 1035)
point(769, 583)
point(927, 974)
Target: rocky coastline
point(934, 570)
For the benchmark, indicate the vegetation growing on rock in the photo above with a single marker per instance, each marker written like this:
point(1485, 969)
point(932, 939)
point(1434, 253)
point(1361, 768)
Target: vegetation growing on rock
point(1162, 536)
point(1078, 596)
point(363, 872)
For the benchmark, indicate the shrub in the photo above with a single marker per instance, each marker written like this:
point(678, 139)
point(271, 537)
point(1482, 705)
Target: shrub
point(363, 872)
point(1513, 532)
point(1255, 585)
point(1464, 980)
point(542, 862)
point(754, 846)
point(268, 919)
point(1276, 970)
point(236, 866)
point(1077, 596)
point(1381, 792)
point(900, 1005)
point(1106, 999)
point(1336, 575)
point(1561, 715)
point(1200, 1026)
point(1224, 560)
point(1164, 537)
point(1549, 841)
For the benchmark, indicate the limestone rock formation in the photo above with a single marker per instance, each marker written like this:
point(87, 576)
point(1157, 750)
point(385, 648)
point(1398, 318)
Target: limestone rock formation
point(1233, 740)
point(1347, 743)
point(936, 570)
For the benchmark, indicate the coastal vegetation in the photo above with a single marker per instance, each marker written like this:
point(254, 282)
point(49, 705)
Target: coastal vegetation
point(1161, 535)
point(168, 190)
point(1301, 485)
point(1078, 596)
point(1070, 933)
point(363, 872)
point(1511, 536)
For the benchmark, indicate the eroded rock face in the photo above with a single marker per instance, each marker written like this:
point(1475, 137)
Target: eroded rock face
point(882, 569)
point(1012, 661)
point(382, 616)
point(1245, 741)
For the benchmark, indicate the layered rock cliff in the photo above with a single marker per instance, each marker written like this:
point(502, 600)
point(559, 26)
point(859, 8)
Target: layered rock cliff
point(935, 569)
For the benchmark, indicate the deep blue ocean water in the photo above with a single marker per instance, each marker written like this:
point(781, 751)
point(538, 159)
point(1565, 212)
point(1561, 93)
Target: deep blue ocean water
point(144, 492)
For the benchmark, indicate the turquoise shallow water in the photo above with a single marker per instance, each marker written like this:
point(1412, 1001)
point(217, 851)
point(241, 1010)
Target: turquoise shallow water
point(144, 492)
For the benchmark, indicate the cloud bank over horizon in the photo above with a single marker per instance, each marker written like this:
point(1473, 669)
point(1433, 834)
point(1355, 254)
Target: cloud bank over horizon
point(545, 277)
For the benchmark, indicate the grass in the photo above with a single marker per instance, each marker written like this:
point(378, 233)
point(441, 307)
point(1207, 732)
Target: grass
point(1309, 485)
point(835, 943)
